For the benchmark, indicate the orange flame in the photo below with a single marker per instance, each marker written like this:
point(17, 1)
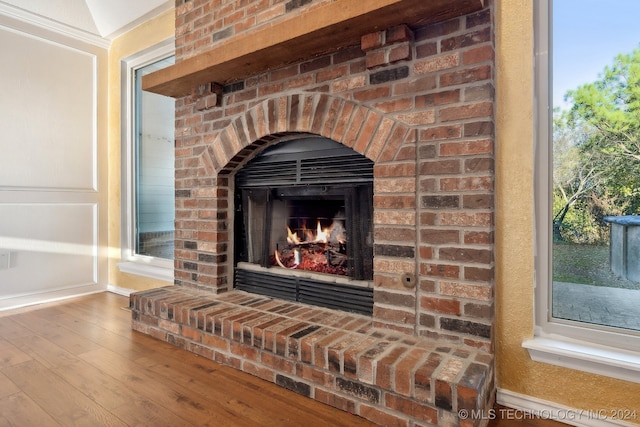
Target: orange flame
point(321, 236)
point(292, 238)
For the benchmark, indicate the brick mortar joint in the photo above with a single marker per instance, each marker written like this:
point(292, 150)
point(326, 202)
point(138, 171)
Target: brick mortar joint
point(224, 355)
point(381, 334)
point(466, 362)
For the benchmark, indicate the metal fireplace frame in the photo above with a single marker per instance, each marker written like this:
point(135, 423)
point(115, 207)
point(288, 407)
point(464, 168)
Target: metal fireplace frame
point(307, 168)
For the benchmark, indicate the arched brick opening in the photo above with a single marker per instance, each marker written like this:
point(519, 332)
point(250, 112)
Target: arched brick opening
point(387, 142)
point(359, 127)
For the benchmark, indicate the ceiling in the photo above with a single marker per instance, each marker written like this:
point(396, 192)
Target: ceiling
point(102, 18)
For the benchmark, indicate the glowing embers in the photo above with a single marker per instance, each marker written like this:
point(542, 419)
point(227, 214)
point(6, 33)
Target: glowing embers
point(323, 250)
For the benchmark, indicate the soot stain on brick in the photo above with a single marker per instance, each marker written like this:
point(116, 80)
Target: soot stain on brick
point(295, 386)
point(395, 251)
point(466, 327)
point(389, 75)
point(359, 390)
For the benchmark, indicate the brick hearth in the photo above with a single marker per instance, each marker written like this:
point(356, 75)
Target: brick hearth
point(417, 100)
point(337, 358)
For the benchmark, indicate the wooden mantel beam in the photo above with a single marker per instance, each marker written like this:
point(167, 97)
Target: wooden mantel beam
point(299, 36)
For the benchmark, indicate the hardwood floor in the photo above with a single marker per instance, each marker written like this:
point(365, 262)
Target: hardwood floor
point(78, 362)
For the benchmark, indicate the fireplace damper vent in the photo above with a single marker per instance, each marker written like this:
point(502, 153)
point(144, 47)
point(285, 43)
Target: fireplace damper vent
point(308, 161)
point(306, 204)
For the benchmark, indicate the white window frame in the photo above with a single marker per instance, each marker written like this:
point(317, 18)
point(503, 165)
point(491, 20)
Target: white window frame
point(133, 263)
point(571, 344)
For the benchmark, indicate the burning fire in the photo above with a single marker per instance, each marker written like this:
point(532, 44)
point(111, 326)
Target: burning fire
point(321, 236)
point(323, 251)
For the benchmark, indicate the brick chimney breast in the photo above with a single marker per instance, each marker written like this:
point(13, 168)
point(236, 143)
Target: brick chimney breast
point(417, 101)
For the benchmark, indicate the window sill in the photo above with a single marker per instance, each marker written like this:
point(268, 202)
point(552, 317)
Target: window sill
point(587, 357)
point(147, 270)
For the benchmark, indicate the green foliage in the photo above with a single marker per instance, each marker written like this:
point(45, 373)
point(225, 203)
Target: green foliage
point(583, 223)
point(597, 152)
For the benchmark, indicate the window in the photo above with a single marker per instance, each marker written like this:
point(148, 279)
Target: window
point(580, 320)
point(148, 169)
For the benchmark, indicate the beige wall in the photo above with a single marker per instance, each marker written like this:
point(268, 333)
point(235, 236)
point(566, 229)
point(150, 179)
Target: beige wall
point(516, 372)
point(136, 40)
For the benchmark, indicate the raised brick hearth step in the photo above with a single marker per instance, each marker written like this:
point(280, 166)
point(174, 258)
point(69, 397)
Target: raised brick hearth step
point(337, 358)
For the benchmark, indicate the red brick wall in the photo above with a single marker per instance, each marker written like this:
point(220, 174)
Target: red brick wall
point(417, 101)
point(199, 23)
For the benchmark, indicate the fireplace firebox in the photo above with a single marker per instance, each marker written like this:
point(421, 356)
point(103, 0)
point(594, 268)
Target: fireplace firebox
point(304, 229)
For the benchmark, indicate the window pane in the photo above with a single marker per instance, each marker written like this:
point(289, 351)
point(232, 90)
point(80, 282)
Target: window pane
point(596, 162)
point(154, 168)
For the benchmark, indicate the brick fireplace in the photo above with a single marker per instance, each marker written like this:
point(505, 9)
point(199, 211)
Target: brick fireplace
point(408, 88)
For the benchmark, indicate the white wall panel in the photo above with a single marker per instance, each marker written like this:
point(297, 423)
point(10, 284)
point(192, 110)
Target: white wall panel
point(47, 114)
point(52, 247)
point(53, 156)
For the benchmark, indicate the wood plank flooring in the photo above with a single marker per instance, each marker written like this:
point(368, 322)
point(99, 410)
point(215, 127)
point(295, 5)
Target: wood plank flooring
point(78, 362)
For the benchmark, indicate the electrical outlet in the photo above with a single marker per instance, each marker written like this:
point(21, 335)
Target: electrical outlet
point(5, 259)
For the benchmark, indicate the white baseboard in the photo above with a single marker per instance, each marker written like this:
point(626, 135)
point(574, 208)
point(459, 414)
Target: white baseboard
point(21, 301)
point(527, 407)
point(36, 298)
point(159, 272)
point(120, 291)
